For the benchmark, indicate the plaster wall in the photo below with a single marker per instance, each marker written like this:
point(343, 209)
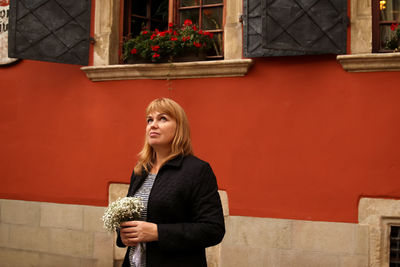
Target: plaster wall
point(296, 138)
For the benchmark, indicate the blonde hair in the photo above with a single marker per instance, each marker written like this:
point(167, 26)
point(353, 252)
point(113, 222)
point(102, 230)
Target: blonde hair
point(181, 143)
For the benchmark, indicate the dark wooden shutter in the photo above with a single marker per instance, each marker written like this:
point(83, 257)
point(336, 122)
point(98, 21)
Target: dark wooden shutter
point(50, 30)
point(294, 27)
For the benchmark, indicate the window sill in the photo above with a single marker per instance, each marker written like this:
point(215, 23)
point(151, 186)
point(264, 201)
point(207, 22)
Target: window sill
point(370, 62)
point(199, 69)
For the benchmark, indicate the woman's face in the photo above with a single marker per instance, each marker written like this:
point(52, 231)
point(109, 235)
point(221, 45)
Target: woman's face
point(160, 130)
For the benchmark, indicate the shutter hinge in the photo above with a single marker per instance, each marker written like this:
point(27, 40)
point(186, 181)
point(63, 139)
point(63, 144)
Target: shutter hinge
point(92, 40)
point(241, 18)
point(345, 20)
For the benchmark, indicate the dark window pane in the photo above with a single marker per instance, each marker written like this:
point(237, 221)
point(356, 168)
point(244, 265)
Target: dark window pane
point(159, 10)
point(192, 14)
point(137, 25)
point(160, 25)
point(139, 8)
point(212, 18)
point(210, 2)
point(186, 3)
point(391, 11)
point(215, 49)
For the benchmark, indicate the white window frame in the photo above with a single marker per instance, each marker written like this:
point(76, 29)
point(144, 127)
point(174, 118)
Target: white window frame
point(361, 58)
point(105, 51)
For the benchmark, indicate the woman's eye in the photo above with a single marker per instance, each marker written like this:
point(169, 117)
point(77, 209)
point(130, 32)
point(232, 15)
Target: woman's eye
point(163, 119)
point(149, 120)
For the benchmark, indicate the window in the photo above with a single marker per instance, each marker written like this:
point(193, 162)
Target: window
point(139, 14)
point(153, 14)
point(394, 246)
point(208, 14)
point(385, 16)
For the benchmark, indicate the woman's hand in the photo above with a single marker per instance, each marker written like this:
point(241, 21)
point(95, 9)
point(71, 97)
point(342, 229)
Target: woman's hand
point(134, 232)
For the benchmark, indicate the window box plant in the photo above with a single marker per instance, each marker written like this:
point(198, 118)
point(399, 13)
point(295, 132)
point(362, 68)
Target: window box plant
point(167, 46)
point(394, 42)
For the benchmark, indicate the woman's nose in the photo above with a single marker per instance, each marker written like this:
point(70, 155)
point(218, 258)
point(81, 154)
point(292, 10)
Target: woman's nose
point(154, 124)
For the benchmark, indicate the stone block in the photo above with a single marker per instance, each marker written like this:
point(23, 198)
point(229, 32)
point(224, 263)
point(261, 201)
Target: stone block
point(224, 201)
point(264, 257)
point(354, 261)
point(4, 234)
point(61, 216)
point(362, 240)
point(71, 242)
point(116, 191)
point(233, 10)
point(295, 258)
point(119, 253)
point(89, 263)
point(232, 36)
point(234, 255)
point(325, 237)
point(13, 258)
point(50, 260)
point(29, 238)
point(20, 212)
point(213, 256)
point(103, 249)
point(258, 232)
point(92, 219)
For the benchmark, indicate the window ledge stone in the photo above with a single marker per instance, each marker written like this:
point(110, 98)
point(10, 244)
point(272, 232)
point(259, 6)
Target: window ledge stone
point(370, 62)
point(198, 69)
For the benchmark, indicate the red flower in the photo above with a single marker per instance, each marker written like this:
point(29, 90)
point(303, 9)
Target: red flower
point(196, 44)
point(170, 25)
point(152, 36)
point(155, 48)
point(201, 32)
point(185, 38)
point(133, 51)
point(394, 26)
point(145, 32)
point(173, 38)
point(175, 33)
point(210, 34)
point(188, 22)
point(194, 27)
point(156, 55)
point(162, 34)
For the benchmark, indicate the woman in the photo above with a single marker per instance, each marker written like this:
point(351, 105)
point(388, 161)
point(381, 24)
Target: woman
point(183, 213)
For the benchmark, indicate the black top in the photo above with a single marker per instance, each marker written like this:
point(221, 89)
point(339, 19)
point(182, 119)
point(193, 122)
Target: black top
point(185, 204)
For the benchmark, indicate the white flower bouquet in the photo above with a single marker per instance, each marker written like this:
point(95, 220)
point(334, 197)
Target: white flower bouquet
point(121, 210)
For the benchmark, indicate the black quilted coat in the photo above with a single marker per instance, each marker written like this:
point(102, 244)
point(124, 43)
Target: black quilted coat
point(185, 205)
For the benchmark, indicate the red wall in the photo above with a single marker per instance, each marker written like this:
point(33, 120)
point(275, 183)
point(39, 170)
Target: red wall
point(298, 137)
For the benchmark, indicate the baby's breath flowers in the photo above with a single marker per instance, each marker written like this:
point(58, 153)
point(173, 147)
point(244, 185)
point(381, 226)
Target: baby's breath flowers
point(121, 210)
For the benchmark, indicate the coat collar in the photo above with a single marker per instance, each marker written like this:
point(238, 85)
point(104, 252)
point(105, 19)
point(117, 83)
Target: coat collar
point(175, 162)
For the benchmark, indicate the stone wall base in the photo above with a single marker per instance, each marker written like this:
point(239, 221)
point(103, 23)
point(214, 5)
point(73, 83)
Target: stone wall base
point(48, 234)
